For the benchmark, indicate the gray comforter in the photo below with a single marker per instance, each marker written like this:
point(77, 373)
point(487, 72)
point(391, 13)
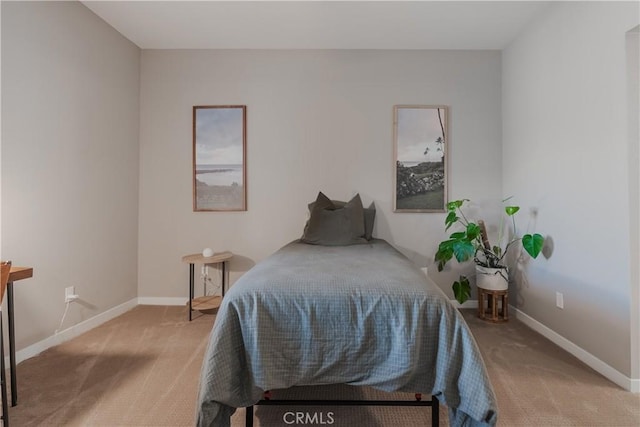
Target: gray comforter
point(359, 315)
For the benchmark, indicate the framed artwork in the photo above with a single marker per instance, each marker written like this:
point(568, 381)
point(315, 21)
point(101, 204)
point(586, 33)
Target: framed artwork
point(420, 163)
point(219, 158)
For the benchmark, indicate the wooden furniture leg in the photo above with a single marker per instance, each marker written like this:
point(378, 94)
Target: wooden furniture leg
point(4, 278)
point(490, 312)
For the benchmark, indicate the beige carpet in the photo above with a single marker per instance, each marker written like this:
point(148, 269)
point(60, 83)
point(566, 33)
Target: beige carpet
point(142, 369)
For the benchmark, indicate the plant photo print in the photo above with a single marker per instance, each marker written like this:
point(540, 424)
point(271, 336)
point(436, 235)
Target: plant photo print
point(420, 158)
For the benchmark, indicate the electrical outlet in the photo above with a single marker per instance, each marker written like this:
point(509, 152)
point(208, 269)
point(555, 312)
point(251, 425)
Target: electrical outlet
point(70, 294)
point(559, 300)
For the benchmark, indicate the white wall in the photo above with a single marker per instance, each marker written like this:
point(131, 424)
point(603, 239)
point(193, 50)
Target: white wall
point(633, 114)
point(316, 120)
point(70, 87)
point(565, 152)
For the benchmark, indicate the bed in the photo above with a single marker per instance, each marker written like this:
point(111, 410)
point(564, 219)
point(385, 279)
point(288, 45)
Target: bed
point(359, 314)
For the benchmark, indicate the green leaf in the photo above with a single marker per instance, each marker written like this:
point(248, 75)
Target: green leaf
point(458, 235)
point(462, 289)
point(473, 231)
point(452, 206)
point(497, 250)
point(445, 244)
point(532, 244)
point(451, 219)
point(463, 250)
point(511, 210)
point(444, 254)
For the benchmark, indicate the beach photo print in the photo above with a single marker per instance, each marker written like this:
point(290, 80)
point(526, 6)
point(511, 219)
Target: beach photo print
point(219, 158)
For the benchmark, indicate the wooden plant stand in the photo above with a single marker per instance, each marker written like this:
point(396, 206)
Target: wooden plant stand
point(489, 310)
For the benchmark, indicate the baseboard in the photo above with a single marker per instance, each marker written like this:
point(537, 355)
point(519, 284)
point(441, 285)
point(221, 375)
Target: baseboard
point(87, 325)
point(162, 301)
point(73, 331)
point(587, 358)
point(472, 303)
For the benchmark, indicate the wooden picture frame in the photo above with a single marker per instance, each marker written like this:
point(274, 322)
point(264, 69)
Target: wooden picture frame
point(420, 158)
point(219, 158)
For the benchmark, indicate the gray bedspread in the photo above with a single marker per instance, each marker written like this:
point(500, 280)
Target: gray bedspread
point(360, 315)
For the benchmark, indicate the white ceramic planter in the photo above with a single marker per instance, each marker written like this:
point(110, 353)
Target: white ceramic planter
point(493, 279)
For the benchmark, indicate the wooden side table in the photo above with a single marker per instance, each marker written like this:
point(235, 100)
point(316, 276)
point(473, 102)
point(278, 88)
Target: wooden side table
point(16, 273)
point(489, 310)
point(206, 302)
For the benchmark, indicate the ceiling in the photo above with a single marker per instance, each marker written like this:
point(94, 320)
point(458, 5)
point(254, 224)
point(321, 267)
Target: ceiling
point(318, 24)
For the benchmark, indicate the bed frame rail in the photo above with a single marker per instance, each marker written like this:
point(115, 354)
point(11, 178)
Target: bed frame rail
point(267, 401)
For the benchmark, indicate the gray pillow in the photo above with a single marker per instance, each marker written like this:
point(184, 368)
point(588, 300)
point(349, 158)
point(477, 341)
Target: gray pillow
point(369, 219)
point(335, 226)
point(369, 215)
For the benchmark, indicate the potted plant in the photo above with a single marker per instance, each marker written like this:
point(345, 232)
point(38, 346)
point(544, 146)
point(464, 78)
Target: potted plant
point(472, 242)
